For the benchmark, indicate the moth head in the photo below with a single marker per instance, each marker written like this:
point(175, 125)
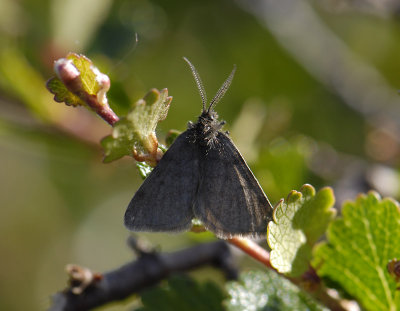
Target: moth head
point(210, 116)
point(220, 93)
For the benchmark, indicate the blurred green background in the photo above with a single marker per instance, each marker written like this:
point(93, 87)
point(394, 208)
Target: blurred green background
point(314, 100)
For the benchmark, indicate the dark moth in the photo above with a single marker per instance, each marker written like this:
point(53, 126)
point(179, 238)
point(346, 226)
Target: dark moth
point(202, 175)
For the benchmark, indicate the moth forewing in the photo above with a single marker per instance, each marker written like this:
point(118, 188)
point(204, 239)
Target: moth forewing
point(230, 200)
point(163, 202)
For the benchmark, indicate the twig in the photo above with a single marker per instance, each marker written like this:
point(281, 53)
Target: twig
point(104, 111)
point(147, 270)
point(253, 249)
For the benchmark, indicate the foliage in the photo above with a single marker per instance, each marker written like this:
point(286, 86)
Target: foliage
point(61, 93)
point(144, 169)
point(298, 224)
point(136, 132)
point(360, 245)
point(265, 291)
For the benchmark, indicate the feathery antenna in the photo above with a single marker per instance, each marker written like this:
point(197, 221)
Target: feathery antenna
point(200, 86)
point(222, 90)
point(220, 93)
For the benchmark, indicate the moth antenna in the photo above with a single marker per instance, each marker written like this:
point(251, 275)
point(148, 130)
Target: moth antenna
point(199, 84)
point(222, 90)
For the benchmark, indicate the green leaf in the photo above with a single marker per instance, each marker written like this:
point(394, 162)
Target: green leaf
point(119, 143)
point(298, 224)
point(135, 134)
point(61, 93)
point(360, 245)
point(144, 169)
point(264, 291)
point(181, 294)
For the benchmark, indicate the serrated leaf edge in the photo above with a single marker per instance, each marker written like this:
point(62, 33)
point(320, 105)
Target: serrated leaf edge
point(358, 201)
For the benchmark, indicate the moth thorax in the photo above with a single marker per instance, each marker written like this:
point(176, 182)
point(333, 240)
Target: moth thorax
point(206, 128)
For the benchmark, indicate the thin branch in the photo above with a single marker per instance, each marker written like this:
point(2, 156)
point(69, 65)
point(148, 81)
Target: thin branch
point(252, 249)
point(103, 111)
point(149, 269)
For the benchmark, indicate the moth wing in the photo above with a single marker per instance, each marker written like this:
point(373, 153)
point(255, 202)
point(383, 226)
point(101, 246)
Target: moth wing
point(164, 200)
point(230, 200)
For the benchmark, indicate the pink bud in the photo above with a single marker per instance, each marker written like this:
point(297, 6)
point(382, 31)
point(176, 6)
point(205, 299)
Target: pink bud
point(68, 74)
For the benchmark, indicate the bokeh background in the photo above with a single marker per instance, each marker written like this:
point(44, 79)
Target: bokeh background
point(314, 100)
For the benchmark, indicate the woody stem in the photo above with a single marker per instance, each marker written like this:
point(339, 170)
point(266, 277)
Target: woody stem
point(252, 249)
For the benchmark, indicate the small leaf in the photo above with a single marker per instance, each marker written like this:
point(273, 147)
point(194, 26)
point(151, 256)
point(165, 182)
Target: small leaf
point(91, 78)
point(119, 143)
point(135, 134)
point(144, 169)
point(261, 291)
point(61, 93)
point(182, 294)
point(360, 245)
point(298, 224)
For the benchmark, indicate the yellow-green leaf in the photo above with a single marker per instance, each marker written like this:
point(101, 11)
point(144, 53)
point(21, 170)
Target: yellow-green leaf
point(298, 224)
point(135, 134)
point(61, 93)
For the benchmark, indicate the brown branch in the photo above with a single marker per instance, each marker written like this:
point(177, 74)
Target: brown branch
point(103, 111)
point(147, 270)
point(252, 249)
